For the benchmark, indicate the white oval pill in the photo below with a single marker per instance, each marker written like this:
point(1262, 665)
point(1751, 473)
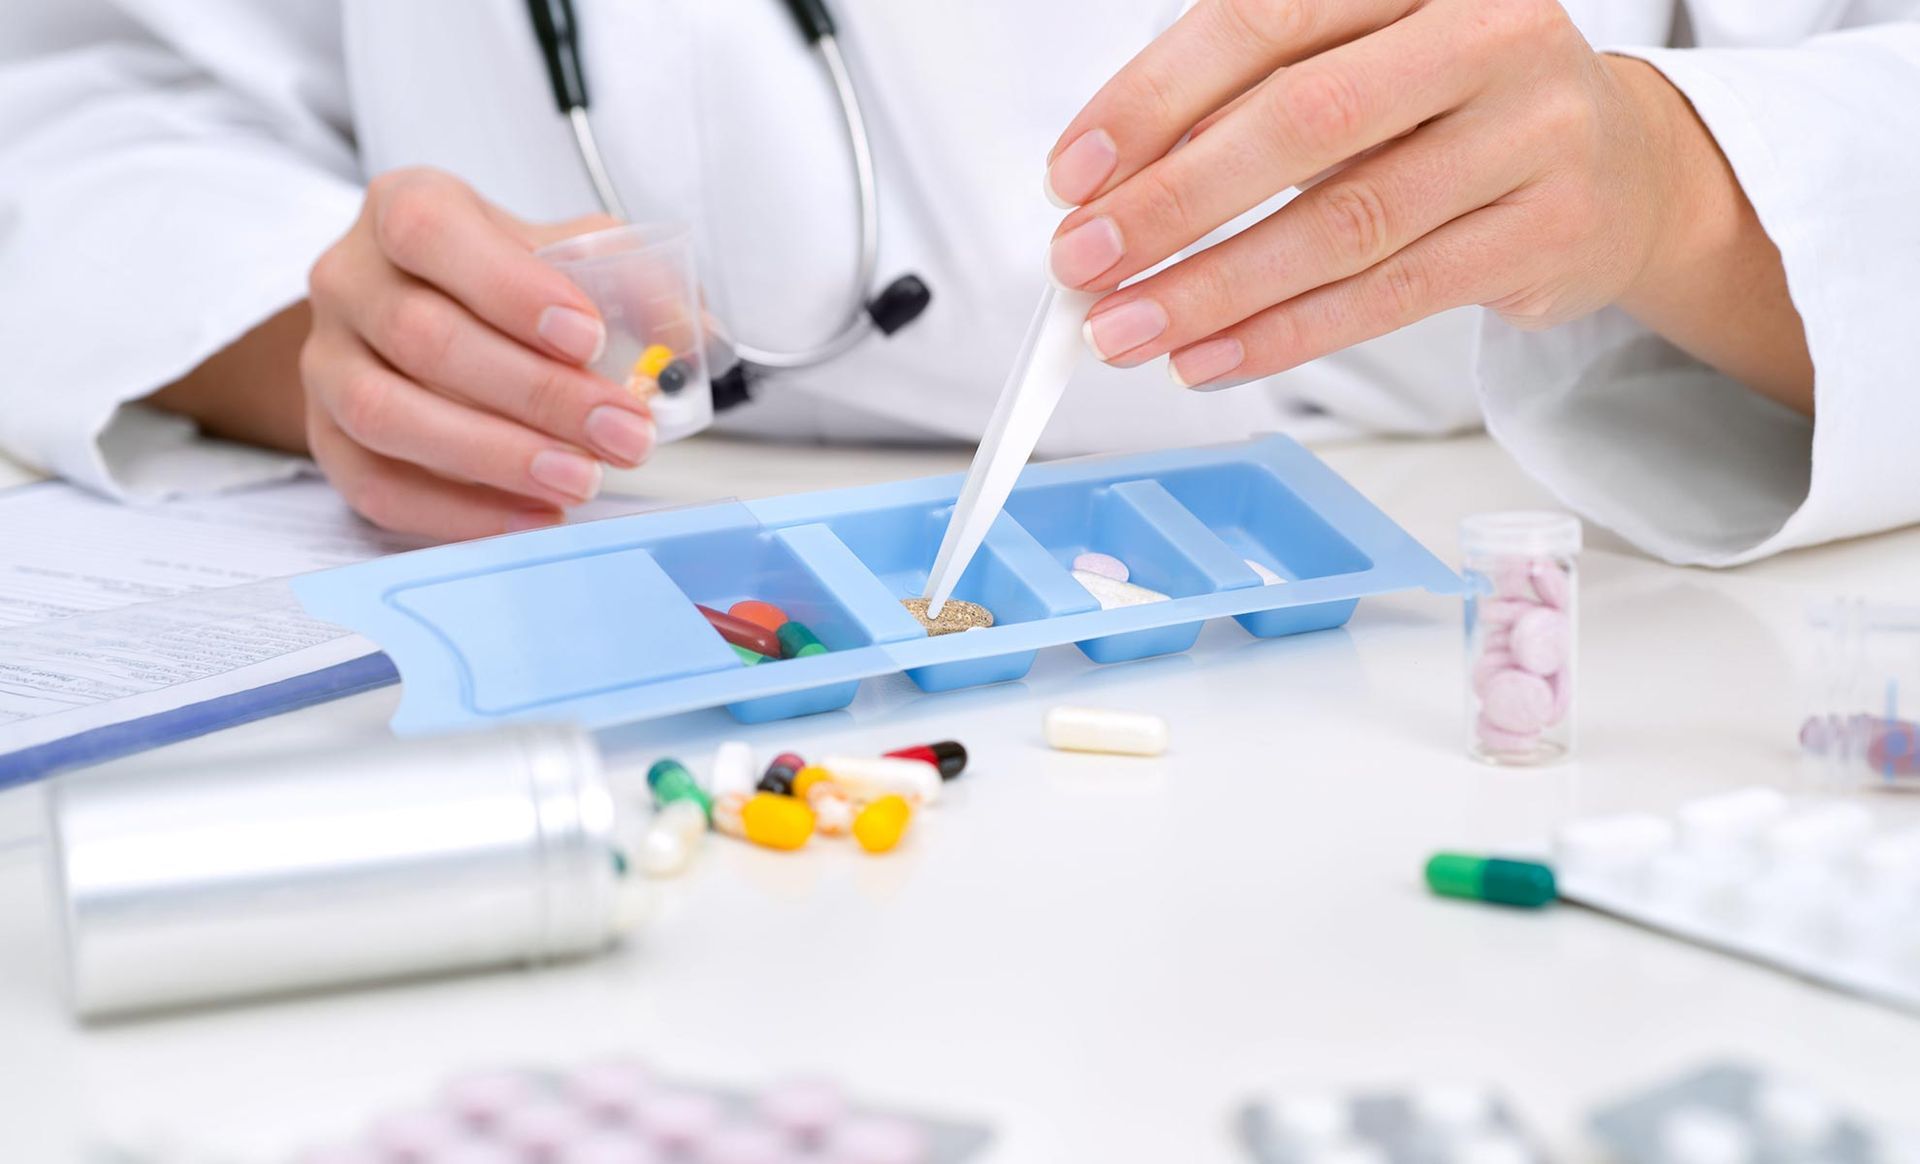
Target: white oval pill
point(1099, 729)
point(1112, 595)
point(871, 777)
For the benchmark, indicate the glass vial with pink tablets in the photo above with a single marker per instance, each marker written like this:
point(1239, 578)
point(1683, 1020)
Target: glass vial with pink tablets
point(1522, 634)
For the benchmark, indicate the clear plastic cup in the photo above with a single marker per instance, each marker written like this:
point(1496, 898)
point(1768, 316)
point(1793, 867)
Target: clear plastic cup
point(642, 278)
point(1521, 631)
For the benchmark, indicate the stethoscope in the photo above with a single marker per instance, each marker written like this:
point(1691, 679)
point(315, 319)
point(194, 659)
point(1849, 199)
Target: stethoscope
point(896, 305)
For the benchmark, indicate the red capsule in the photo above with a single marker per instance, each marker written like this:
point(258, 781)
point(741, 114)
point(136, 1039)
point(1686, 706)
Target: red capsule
point(780, 774)
point(740, 632)
point(946, 755)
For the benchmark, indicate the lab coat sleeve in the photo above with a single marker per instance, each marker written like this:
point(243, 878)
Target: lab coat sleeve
point(1686, 463)
point(150, 214)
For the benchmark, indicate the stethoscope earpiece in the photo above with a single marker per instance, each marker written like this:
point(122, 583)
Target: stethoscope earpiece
point(899, 303)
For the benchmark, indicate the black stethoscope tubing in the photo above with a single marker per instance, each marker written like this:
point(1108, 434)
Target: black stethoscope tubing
point(895, 306)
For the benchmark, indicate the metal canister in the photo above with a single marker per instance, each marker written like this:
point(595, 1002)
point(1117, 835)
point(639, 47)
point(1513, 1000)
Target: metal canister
point(287, 872)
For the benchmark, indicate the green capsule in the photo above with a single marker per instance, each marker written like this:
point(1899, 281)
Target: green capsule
point(795, 639)
point(1527, 884)
point(671, 781)
point(748, 655)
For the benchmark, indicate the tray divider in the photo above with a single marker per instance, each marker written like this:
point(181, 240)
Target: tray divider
point(1217, 561)
point(842, 573)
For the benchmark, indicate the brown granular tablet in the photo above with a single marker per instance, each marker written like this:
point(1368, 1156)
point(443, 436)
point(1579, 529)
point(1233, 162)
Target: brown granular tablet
point(954, 616)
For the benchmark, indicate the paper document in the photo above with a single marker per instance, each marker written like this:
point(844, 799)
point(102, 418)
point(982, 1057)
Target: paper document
point(112, 613)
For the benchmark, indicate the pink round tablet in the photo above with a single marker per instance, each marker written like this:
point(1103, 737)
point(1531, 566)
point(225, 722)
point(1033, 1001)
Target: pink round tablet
point(481, 1097)
point(1497, 739)
point(1105, 565)
point(1500, 612)
point(750, 1144)
point(1513, 578)
point(607, 1146)
point(479, 1152)
point(416, 1136)
point(1517, 701)
point(1542, 639)
point(1552, 583)
point(679, 1120)
point(879, 1140)
point(1562, 685)
point(612, 1089)
point(1488, 665)
point(803, 1108)
point(542, 1127)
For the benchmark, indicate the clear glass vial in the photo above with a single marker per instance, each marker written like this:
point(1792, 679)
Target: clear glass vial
point(1521, 628)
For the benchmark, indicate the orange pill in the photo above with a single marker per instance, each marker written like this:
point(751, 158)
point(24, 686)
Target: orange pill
point(764, 614)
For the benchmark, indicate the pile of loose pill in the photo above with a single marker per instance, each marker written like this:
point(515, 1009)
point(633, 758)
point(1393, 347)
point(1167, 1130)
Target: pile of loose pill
point(872, 798)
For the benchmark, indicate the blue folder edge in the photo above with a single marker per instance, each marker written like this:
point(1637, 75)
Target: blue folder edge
point(114, 740)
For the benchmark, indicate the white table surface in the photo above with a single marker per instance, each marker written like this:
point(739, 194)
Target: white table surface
point(1100, 957)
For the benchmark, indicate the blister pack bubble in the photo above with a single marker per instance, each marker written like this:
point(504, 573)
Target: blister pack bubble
point(1819, 887)
point(1731, 1113)
point(1437, 1124)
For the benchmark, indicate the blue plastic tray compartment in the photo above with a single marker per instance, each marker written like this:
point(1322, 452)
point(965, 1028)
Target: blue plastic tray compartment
point(1011, 575)
point(594, 623)
point(805, 571)
point(1138, 522)
point(1258, 517)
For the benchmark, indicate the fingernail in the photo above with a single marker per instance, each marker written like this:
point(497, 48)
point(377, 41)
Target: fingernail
point(1124, 328)
point(621, 433)
point(1205, 362)
point(528, 519)
point(1078, 171)
point(565, 472)
point(1079, 255)
point(574, 334)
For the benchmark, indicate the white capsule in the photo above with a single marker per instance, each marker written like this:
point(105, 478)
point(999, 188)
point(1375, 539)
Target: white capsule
point(1112, 594)
point(871, 777)
point(672, 838)
point(732, 769)
point(1100, 729)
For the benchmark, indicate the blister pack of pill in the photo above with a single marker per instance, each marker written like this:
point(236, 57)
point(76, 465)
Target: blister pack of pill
point(1816, 886)
point(620, 1112)
point(1729, 1113)
point(1441, 1124)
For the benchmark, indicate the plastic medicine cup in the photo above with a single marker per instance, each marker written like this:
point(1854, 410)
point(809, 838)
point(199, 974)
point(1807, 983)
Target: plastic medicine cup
point(1521, 621)
point(641, 277)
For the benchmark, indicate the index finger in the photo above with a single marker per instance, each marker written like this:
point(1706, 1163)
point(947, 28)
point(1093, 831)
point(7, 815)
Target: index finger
point(434, 228)
point(1211, 55)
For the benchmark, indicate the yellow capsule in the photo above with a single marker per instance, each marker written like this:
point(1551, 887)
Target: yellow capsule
point(882, 823)
point(806, 778)
point(776, 821)
point(656, 357)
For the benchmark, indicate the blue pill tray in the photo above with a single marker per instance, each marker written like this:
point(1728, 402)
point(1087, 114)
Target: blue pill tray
point(595, 623)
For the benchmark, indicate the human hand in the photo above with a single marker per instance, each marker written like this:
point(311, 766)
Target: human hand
point(1451, 152)
point(444, 379)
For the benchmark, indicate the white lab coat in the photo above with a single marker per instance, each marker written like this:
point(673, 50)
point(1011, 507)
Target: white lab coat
point(170, 168)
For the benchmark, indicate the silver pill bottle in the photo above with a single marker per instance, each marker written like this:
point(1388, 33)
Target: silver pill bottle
point(278, 873)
